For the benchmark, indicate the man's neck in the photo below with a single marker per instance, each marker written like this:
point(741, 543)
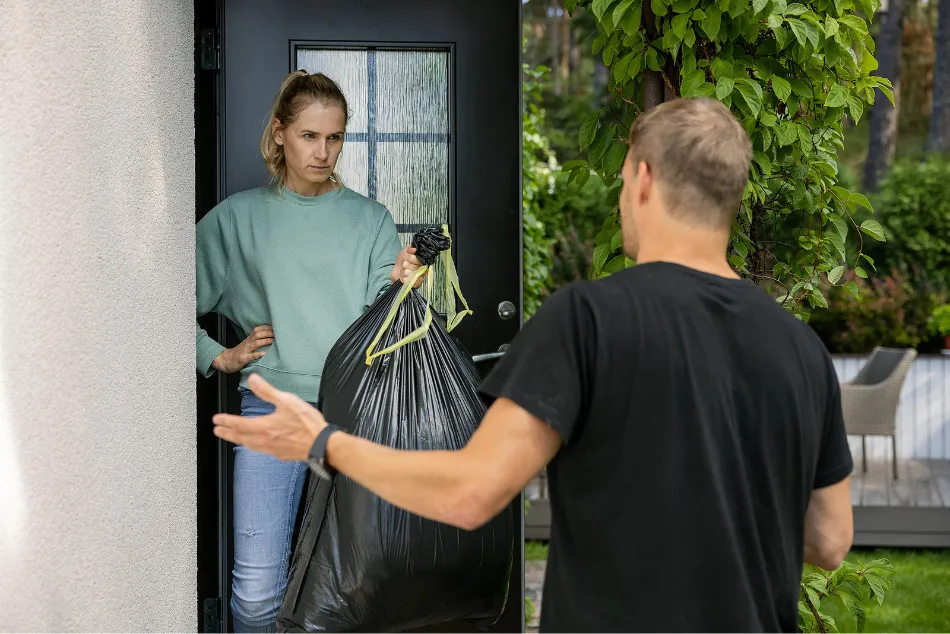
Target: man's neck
point(698, 249)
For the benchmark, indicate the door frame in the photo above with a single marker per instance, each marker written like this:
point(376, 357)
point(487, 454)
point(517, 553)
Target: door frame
point(219, 393)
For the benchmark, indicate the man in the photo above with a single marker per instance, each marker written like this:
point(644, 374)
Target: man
point(692, 428)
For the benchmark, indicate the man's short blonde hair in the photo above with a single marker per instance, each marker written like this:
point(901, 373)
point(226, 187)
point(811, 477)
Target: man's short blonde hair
point(699, 155)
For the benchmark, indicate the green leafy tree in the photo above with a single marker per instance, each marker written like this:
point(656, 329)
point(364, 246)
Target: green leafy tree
point(791, 72)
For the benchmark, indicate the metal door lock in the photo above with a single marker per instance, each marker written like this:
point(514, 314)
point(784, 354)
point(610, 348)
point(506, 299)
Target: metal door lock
point(507, 310)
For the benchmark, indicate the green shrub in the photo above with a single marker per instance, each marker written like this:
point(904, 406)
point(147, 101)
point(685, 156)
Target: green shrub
point(940, 321)
point(913, 205)
point(573, 214)
point(837, 601)
point(887, 311)
point(538, 166)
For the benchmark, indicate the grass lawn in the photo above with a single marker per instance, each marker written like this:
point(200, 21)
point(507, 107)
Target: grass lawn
point(920, 598)
point(918, 602)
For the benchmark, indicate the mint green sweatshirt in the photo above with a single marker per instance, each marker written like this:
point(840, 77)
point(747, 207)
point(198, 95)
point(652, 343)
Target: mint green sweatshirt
point(308, 266)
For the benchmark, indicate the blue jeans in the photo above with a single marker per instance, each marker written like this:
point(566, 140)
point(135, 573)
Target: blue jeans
point(266, 496)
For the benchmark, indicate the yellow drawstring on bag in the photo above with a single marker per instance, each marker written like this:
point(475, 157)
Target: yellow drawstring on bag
point(454, 318)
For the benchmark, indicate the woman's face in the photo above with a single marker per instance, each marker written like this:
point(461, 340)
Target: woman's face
point(312, 145)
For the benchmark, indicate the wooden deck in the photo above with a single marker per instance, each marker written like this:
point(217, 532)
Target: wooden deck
point(919, 483)
point(912, 511)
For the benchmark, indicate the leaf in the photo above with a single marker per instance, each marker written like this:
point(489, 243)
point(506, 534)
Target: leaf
point(775, 21)
point(616, 264)
point(659, 7)
point(614, 157)
point(860, 199)
point(680, 24)
point(600, 8)
point(874, 229)
point(801, 88)
point(601, 252)
point(597, 149)
point(724, 87)
point(722, 68)
point(854, 23)
point(782, 89)
point(799, 29)
point(583, 175)
point(860, 618)
point(855, 107)
point(836, 97)
point(868, 63)
point(588, 129)
point(804, 136)
point(795, 9)
point(860, 272)
point(712, 23)
point(690, 38)
point(684, 6)
point(758, 5)
point(620, 10)
point(617, 240)
point(835, 274)
point(706, 89)
point(570, 165)
point(877, 587)
point(760, 159)
point(840, 225)
point(812, 33)
point(631, 19)
point(751, 91)
point(781, 38)
point(831, 26)
point(653, 61)
point(838, 243)
point(787, 133)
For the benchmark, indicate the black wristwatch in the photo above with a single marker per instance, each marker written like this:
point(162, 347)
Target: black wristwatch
point(317, 458)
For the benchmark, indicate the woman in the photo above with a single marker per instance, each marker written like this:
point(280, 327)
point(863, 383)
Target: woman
point(292, 265)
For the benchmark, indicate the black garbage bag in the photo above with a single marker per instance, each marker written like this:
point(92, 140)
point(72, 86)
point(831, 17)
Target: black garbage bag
point(398, 378)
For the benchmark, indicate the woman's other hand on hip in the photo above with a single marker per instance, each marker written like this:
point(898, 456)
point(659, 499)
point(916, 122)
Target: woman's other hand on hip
point(234, 359)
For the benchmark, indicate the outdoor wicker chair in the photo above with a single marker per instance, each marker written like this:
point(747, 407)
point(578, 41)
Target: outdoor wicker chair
point(870, 400)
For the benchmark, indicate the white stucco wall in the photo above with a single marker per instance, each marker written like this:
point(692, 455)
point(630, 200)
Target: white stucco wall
point(97, 403)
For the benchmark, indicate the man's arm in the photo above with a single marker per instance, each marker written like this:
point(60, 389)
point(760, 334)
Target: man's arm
point(829, 525)
point(540, 388)
point(464, 488)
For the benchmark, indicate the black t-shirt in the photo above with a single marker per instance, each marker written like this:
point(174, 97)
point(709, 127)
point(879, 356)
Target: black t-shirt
point(697, 416)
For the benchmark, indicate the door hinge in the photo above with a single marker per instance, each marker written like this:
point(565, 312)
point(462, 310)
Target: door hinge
point(209, 50)
point(211, 615)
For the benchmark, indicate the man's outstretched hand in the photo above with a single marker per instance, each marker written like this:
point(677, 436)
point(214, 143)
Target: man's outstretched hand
point(287, 433)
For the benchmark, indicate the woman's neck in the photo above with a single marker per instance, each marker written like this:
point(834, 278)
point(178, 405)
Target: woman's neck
point(306, 188)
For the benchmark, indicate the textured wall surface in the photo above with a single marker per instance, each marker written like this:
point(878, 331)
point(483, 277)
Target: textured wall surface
point(97, 403)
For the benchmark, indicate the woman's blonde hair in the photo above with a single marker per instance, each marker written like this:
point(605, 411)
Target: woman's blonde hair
point(298, 90)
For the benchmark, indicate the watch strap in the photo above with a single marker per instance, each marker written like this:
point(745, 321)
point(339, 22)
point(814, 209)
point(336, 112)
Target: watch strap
point(316, 458)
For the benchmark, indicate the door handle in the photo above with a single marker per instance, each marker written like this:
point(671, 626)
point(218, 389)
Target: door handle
point(490, 356)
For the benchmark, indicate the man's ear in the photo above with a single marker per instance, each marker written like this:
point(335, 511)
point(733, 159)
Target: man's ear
point(645, 182)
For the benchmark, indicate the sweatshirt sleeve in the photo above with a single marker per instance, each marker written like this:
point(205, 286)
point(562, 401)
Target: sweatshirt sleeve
point(386, 248)
point(212, 250)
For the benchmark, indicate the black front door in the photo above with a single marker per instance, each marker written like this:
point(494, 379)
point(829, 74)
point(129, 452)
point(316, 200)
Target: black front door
point(434, 134)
